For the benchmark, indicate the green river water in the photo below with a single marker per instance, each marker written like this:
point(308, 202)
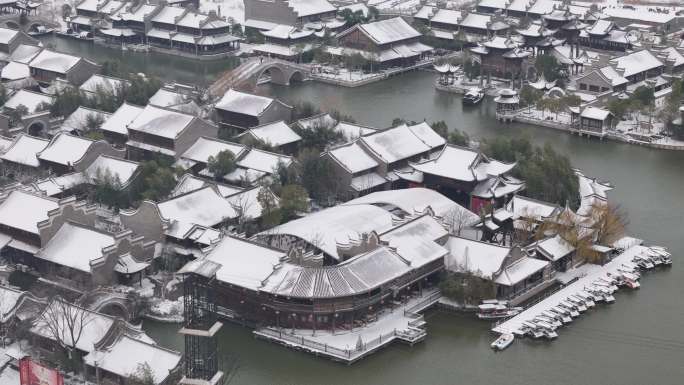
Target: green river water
point(637, 340)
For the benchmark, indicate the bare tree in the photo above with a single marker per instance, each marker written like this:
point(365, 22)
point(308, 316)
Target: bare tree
point(456, 220)
point(65, 323)
point(241, 203)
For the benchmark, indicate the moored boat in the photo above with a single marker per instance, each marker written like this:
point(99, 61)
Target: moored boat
point(473, 96)
point(504, 341)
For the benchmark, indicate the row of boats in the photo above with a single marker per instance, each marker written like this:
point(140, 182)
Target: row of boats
point(545, 324)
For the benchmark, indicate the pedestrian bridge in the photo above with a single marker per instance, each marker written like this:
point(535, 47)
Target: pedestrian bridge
point(246, 76)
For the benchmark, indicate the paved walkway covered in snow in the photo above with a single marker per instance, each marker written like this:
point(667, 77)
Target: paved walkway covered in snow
point(402, 323)
point(591, 274)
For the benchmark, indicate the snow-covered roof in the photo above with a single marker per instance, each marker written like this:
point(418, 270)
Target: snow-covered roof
point(355, 7)
point(121, 118)
point(166, 98)
point(22, 210)
point(52, 324)
point(413, 200)
point(189, 182)
point(168, 15)
point(24, 53)
point(674, 55)
point(485, 259)
point(402, 142)
point(554, 248)
point(75, 246)
point(6, 35)
point(117, 358)
point(519, 5)
point(310, 7)
point(316, 121)
point(161, 122)
point(205, 207)
point(25, 150)
point(600, 27)
point(282, 31)
point(103, 83)
point(343, 223)
point(65, 149)
point(637, 62)
point(204, 147)
point(476, 20)
point(367, 181)
point(353, 158)
point(139, 13)
point(641, 14)
point(522, 206)
point(519, 270)
point(498, 4)
point(54, 61)
point(264, 161)
point(116, 168)
point(31, 100)
point(78, 120)
point(543, 7)
point(244, 103)
point(9, 298)
point(192, 20)
point(425, 12)
point(353, 131)
point(15, 71)
point(415, 240)
point(460, 163)
point(88, 5)
point(497, 187)
point(446, 16)
point(244, 263)
point(500, 42)
point(357, 275)
point(595, 113)
point(246, 202)
point(389, 31)
point(613, 76)
point(275, 134)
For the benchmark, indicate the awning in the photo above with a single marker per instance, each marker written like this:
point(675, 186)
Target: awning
point(367, 181)
point(128, 265)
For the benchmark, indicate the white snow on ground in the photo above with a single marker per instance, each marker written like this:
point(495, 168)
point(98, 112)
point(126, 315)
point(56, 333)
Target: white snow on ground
point(388, 320)
point(588, 275)
point(167, 310)
point(533, 113)
point(232, 9)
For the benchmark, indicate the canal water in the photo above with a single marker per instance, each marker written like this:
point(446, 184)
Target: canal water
point(637, 340)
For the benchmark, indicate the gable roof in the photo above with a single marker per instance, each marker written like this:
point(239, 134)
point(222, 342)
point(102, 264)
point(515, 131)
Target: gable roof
point(121, 118)
point(276, 133)
point(310, 7)
point(637, 62)
point(29, 99)
point(161, 122)
point(204, 147)
point(65, 149)
point(264, 161)
point(205, 207)
point(402, 142)
point(483, 258)
point(352, 157)
point(25, 150)
point(22, 210)
point(116, 168)
point(244, 103)
point(75, 246)
point(52, 61)
point(386, 31)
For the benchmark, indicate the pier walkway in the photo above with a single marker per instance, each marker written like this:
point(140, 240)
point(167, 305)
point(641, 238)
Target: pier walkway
point(402, 324)
point(591, 274)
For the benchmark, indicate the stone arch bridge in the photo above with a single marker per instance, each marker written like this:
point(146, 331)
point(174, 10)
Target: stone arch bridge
point(112, 302)
point(246, 76)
